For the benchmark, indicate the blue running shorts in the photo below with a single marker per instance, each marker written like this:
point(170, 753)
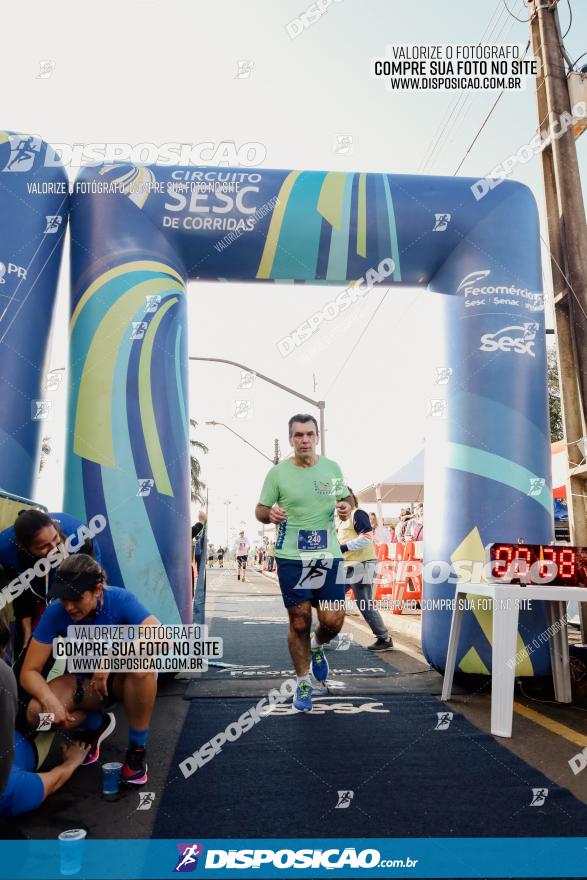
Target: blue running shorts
point(311, 580)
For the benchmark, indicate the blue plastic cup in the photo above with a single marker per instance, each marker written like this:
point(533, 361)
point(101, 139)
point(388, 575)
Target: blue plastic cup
point(71, 849)
point(111, 780)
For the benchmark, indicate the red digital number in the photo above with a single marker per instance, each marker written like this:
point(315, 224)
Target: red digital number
point(521, 562)
point(566, 564)
point(546, 571)
point(502, 554)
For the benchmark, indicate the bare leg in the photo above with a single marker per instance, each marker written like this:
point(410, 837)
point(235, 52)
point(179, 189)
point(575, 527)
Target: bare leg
point(329, 624)
point(64, 688)
point(298, 640)
point(137, 690)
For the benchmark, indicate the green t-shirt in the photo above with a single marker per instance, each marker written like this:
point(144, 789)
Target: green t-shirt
point(308, 495)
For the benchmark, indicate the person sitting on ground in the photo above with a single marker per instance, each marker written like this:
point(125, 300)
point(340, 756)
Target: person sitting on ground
point(22, 789)
point(34, 535)
point(76, 699)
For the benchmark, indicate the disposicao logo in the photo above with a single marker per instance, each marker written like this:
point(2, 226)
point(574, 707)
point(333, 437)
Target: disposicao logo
point(188, 854)
point(289, 858)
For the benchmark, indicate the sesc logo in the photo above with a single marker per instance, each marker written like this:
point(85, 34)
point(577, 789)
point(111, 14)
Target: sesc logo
point(522, 343)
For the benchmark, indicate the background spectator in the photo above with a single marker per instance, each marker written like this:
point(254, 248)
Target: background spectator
point(381, 534)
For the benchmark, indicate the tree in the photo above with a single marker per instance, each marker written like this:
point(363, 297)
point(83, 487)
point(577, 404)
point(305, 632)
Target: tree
point(197, 485)
point(554, 396)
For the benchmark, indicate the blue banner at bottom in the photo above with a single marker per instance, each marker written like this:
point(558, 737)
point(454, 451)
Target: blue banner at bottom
point(499, 857)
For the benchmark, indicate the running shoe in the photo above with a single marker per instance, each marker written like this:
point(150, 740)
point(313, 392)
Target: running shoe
point(320, 667)
point(134, 770)
point(94, 738)
point(381, 645)
point(303, 698)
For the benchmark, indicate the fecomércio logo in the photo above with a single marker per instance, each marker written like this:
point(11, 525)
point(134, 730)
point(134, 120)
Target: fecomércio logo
point(469, 281)
point(188, 855)
point(473, 286)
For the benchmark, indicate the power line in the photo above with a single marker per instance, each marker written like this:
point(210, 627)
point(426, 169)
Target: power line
point(474, 141)
point(486, 120)
point(453, 106)
point(522, 20)
point(570, 19)
point(353, 349)
point(471, 97)
point(466, 97)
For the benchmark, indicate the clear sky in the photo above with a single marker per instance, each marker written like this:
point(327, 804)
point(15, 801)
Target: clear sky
point(159, 71)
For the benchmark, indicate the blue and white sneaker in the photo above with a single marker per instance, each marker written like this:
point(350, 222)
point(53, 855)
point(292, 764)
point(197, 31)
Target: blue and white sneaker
point(303, 698)
point(320, 668)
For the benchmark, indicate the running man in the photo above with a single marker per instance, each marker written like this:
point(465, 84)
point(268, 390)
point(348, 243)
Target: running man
point(241, 551)
point(299, 496)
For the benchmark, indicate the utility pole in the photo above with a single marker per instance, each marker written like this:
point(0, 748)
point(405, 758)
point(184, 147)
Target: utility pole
point(567, 233)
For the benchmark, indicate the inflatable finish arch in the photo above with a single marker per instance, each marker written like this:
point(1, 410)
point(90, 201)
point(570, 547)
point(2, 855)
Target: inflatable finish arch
point(139, 234)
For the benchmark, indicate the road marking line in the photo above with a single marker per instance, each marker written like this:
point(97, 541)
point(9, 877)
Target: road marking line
point(573, 736)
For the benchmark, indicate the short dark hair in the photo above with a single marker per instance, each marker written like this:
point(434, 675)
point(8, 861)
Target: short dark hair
point(28, 523)
point(84, 566)
point(302, 417)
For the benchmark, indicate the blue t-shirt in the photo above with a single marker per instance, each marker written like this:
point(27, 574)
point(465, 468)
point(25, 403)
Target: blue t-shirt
point(119, 607)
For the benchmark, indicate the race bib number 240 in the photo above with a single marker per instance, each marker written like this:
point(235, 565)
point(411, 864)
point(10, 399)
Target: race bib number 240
point(312, 539)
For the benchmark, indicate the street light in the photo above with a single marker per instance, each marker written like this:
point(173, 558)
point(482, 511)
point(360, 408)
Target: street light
point(241, 438)
point(321, 404)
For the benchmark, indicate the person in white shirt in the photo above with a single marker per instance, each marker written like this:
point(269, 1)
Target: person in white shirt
point(241, 551)
point(381, 534)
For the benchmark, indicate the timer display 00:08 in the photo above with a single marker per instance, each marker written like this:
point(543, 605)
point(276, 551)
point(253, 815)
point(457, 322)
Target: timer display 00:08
point(555, 564)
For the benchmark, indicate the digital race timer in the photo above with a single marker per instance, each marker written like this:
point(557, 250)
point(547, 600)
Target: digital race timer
point(557, 564)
